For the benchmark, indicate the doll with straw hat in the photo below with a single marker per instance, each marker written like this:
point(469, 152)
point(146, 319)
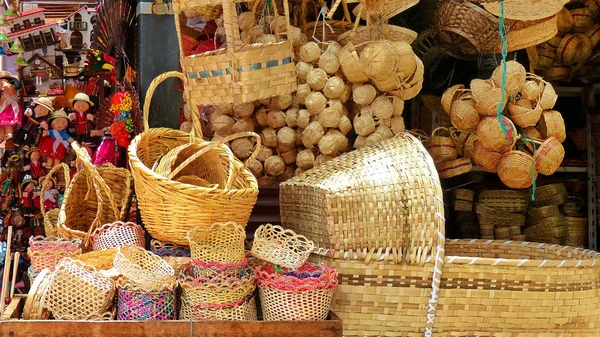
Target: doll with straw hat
point(36, 120)
point(81, 117)
point(56, 139)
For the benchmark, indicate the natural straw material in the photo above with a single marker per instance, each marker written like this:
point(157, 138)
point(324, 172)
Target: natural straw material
point(453, 168)
point(526, 10)
point(141, 266)
point(34, 305)
point(51, 217)
point(99, 259)
point(504, 200)
point(281, 246)
point(117, 234)
point(549, 156)
point(221, 243)
point(46, 252)
point(440, 145)
point(516, 169)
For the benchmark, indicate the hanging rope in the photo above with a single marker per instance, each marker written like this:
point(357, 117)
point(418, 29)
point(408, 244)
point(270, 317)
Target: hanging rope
point(532, 170)
point(322, 16)
point(504, 50)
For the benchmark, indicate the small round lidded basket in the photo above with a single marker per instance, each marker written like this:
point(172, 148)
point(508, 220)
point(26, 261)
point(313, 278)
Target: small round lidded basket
point(117, 234)
point(281, 246)
point(136, 263)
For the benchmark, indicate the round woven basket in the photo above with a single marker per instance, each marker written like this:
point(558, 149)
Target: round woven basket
point(117, 234)
point(515, 169)
point(451, 95)
point(537, 213)
point(169, 249)
point(453, 168)
point(221, 243)
point(281, 246)
point(498, 218)
point(583, 19)
point(552, 194)
point(165, 203)
point(350, 64)
point(573, 49)
point(464, 115)
point(549, 156)
point(523, 116)
point(526, 10)
point(136, 303)
point(490, 134)
point(487, 97)
point(546, 58)
point(363, 34)
point(551, 124)
point(549, 95)
point(46, 252)
point(464, 141)
point(485, 159)
point(441, 147)
point(558, 72)
point(142, 266)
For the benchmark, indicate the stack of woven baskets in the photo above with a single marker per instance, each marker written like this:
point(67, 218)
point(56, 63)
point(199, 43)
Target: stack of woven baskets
point(524, 141)
point(501, 214)
point(564, 56)
point(219, 285)
point(301, 291)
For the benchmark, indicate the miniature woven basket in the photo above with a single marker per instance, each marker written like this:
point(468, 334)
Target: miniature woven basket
point(549, 95)
point(302, 295)
point(141, 266)
point(281, 246)
point(349, 63)
point(516, 169)
point(217, 292)
point(451, 95)
point(523, 116)
point(136, 303)
point(46, 252)
point(117, 234)
point(34, 308)
point(549, 156)
point(441, 147)
point(552, 194)
point(504, 200)
point(51, 217)
point(464, 141)
point(490, 134)
point(453, 168)
point(79, 292)
point(169, 249)
point(552, 125)
point(221, 242)
point(485, 159)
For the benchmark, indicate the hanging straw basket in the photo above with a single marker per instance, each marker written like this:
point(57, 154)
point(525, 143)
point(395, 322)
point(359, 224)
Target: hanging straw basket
point(51, 217)
point(34, 305)
point(350, 64)
point(94, 197)
point(490, 134)
point(142, 266)
point(464, 141)
point(137, 303)
point(549, 156)
point(165, 203)
point(304, 295)
point(441, 147)
point(549, 95)
point(552, 125)
point(516, 169)
point(281, 246)
point(485, 159)
point(231, 75)
point(523, 116)
point(453, 168)
point(46, 252)
point(117, 234)
point(79, 292)
point(222, 243)
point(464, 115)
point(451, 95)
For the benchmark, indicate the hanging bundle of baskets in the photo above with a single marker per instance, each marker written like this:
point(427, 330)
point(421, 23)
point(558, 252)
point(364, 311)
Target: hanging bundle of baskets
point(203, 174)
point(301, 295)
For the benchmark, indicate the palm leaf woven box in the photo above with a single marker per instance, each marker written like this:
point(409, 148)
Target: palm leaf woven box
point(376, 215)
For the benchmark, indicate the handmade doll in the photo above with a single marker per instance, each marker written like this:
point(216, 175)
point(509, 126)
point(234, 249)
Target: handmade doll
point(10, 110)
point(27, 186)
point(81, 117)
point(35, 167)
point(56, 139)
point(50, 197)
point(107, 152)
point(34, 121)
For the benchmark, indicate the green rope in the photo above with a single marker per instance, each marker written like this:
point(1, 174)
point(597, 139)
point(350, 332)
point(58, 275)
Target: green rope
point(532, 170)
point(504, 50)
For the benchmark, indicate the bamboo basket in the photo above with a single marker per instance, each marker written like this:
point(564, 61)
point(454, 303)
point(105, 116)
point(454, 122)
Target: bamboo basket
point(552, 194)
point(517, 169)
point(527, 10)
point(51, 217)
point(238, 73)
point(485, 159)
point(498, 218)
point(165, 204)
point(34, 305)
point(440, 147)
point(528, 33)
point(99, 259)
point(221, 242)
point(83, 211)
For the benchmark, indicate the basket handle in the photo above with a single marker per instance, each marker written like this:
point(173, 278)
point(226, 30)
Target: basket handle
point(441, 128)
point(215, 144)
point(52, 172)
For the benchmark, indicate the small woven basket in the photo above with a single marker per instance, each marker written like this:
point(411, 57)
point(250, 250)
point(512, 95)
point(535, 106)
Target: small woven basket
point(464, 115)
point(169, 249)
point(78, 292)
point(453, 168)
point(549, 95)
point(498, 218)
point(281, 246)
point(117, 234)
point(141, 266)
point(451, 95)
point(549, 156)
point(490, 134)
point(504, 200)
point(441, 147)
point(523, 116)
point(552, 125)
point(304, 295)
point(46, 252)
point(360, 35)
point(464, 141)
point(516, 169)
point(463, 194)
point(485, 159)
point(552, 194)
point(538, 213)
point(51, 217)
point(137, 303)
point(222, 243)
point(350, 64)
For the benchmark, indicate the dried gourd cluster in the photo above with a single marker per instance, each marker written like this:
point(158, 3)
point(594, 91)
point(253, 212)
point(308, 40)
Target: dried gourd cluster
point(524, 141)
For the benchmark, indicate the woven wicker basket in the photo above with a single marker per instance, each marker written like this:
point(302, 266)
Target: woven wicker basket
point(167, 249)
point(526, 10)
point(99, 259)
point(222, 243)
point(34, 305)
point(453, 168)
point(526, 34)
point(117, 234)
point(440, 146)
point(504, 200)
point(517, 169)
point(552, 194)
point(464, 141)
point(141, 266)
point(82, 211)
point(165, 204)
point(46, 252)
point(360, 35)
point(239, 73)
point(281, 246)
point(51, 217)
point(137, 303)
point(498, 218)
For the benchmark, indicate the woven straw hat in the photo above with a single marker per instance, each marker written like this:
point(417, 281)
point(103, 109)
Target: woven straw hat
point(45, 102)
point(82, 97)
point(526, 9)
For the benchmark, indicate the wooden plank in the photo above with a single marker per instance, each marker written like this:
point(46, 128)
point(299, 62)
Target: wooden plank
point(20, 328)
point(15, 308)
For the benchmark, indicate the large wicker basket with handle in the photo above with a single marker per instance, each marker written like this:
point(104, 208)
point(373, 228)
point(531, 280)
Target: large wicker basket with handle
point(238, 73)
point(170, 208)
point(378, 212)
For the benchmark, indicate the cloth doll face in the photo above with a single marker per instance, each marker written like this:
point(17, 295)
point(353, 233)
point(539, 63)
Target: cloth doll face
point(60, 123)
point(34, 156)
point(8, 88)
point(40, 111)
point(81, 106)
point(48, 184)
point(29, 187)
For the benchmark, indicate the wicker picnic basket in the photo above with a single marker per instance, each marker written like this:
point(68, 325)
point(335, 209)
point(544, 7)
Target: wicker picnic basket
point(94, 197)
point(117, 234)
point(238, 73)
point(165, 203)
point(46, 252)
point(51, 217)
point(427, 285)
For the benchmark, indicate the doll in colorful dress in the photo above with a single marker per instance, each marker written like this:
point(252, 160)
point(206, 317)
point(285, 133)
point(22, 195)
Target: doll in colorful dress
point(35, 121)
point(81, 117)
point(10, 110)
point(35, 167)
point(27, 186)
point(56, 140)
point(50, 197)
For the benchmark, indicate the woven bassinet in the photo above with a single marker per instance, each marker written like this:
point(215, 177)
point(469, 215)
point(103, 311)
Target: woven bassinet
point(238, 73)
point(94, 197)
point(164, 204)
point(399, 277)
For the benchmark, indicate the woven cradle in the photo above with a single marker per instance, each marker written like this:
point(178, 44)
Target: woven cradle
point(51, 217)
point(165, 203)
point(94, 197)
point(238, 73)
